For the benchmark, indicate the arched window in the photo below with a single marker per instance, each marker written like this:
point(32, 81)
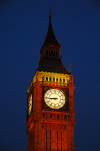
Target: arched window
point(51, 53)
point(57, 116)
point(49, 78)
point(53, 79)
point(56, 79)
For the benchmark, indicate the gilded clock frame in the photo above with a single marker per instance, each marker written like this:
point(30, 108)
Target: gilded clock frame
point(64, 91)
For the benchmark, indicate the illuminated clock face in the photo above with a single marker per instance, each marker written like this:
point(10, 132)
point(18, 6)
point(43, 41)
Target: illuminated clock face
point(30, 105)
point(54, 98)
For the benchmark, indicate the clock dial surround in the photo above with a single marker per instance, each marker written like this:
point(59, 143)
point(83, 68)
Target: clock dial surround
point(30, 105)
point(54, 98)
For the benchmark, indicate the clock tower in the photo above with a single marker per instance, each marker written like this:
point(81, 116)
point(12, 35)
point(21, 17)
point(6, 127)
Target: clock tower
point(50, 101)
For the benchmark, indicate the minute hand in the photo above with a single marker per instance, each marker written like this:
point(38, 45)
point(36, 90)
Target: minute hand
point(53, 98)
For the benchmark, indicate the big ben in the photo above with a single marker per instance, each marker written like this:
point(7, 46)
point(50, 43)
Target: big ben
point(50, 101)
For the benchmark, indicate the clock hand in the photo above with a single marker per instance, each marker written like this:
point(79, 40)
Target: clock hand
point(50, 98)
point(53, 98)
point(47, 97)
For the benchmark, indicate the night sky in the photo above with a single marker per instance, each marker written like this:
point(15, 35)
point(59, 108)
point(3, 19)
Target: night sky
point(23, 24)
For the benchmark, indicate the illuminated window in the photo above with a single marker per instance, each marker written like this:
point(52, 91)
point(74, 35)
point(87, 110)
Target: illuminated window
point(56, 79)
point(60, 80)
point(49, 78)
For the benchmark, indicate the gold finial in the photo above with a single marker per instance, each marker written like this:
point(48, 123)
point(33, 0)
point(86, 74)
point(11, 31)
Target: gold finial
point(50, 12)
point(69, 67)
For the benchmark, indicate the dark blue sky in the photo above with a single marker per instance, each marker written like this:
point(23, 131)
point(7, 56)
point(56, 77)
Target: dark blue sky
point(23, 24)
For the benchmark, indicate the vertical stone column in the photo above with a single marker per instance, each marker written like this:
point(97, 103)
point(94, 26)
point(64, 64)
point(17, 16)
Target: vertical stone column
point(59, 137)
point(48, 137)
point(71, 98)
point(40, 136)
point(36, 127)
point(43, 138)
point(39, 96)
point(54, 138)
point(64, 139)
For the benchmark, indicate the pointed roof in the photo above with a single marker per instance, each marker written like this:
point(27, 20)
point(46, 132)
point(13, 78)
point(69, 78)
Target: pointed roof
point(51, 62)
point(52, 65)
point(50, 37)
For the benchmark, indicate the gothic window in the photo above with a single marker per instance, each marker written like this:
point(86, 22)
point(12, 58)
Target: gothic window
point(52, 53)
point(61, 135)
point(46, 78)
point(50, 115)
point(63, 80)
point(49, 78)
point(57, 140)
point(53, 79)
point(43, 115)
point(56, 79)
point(65, 116)
point(57, 116)
point(61, 140)
point(48, 139)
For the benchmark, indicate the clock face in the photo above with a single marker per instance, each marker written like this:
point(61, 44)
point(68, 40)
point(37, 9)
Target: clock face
point(54, 98)
point(30, 105)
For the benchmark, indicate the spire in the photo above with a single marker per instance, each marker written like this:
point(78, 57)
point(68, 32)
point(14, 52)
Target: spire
point(50, 12)
point(50, 37)
point(50, 59)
